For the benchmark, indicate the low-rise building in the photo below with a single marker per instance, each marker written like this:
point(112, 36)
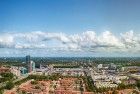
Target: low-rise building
point(4, 69)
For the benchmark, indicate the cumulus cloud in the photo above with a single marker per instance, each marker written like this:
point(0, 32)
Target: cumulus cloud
point(6, 41)
point(109, 40)
point(130, 40)
point(87, 41)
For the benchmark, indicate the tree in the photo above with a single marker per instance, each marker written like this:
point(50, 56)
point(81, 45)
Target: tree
point(18, 90)
point(115, 92)
point(34, 82)
point(9, 85)
point(37, 87)
point(7, 75)
point(135, 92)
point(1, 91)
point(138, 84)
point(23, 92)
point(121, 86)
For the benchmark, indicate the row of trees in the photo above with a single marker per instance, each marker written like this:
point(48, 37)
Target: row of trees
point(89, 83)
point(55, 76)
point(65, 66)
point(38, 78)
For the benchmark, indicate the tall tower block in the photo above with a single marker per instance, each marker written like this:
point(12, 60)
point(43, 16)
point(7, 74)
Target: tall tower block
point(28, 62)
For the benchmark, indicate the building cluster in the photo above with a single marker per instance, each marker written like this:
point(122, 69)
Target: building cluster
point(30, 64)
point(131, 69)
point(102, 76)
point(136, 76)
point(71, 86)
point(63, 71)
point(67, 71)
point(21, 71)
point(108, 76)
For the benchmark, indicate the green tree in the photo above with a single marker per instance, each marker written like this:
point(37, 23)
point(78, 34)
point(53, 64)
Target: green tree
point(121, 86)
point(37, 87)
point(1, 91)
point(34, 82)
point(23, 92)
point(9, 85)
point(7, 75)
point(138, 84)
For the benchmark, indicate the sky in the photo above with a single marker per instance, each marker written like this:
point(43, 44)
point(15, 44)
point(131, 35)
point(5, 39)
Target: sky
point(67, 28)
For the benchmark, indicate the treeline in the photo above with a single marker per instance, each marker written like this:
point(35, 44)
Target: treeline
point(12, 63)
point(38, 78)
point(69, 66)
point(89, 83)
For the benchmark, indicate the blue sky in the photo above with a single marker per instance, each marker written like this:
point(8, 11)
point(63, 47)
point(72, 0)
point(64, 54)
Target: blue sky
point(119, 19)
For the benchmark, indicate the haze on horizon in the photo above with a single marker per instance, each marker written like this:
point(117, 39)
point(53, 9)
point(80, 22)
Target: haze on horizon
point(68, 28)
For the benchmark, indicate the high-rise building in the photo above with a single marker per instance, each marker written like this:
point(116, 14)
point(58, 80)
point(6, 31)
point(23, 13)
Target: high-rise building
point(32, 65)
point(28, 62)
point(28, 59)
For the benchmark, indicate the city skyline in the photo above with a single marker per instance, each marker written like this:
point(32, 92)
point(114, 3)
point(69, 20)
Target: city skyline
point(70, 28)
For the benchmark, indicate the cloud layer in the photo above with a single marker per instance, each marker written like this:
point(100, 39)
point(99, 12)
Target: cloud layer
point(87, 41)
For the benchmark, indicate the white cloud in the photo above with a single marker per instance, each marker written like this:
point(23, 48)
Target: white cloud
point(6, 41)
point(130, 40)
point(109, 40)
point(88, 41)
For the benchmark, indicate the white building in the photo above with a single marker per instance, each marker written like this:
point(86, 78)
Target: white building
point(100, 66)
point(15, 70)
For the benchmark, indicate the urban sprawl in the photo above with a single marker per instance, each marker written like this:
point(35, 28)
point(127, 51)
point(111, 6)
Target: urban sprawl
point(31, 77)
